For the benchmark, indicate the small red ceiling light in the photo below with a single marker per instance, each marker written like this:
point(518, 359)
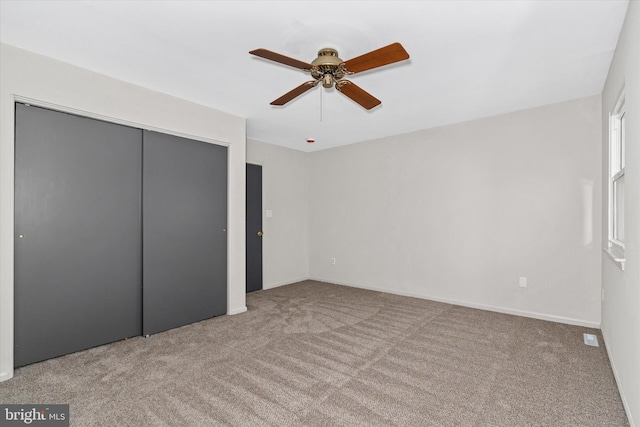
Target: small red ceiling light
point(311, 140)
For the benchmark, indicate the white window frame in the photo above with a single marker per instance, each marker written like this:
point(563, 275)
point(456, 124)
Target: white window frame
point(617, 148)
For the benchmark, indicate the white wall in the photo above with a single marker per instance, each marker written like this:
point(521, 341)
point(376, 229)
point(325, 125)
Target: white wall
point(47, 82)
point(459, 213)
point(621, 306)
point(285, 191)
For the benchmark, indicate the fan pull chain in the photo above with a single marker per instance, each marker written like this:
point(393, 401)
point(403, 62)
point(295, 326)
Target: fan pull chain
point(321, 104)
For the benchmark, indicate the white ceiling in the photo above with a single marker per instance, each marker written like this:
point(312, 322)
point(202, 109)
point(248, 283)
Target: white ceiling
point(469, 59)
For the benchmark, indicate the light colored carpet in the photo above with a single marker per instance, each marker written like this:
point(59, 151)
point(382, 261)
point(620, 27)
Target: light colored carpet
point(325, 355)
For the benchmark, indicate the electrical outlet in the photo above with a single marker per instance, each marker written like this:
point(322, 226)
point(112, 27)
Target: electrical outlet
point(333, 261)
point(522, 282)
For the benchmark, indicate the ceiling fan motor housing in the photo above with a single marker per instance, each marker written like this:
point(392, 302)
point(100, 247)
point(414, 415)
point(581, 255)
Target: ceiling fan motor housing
point(328, 67)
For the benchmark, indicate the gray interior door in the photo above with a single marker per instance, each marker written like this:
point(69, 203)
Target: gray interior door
point(184, 231)
point(77, 233)
point(254, 228)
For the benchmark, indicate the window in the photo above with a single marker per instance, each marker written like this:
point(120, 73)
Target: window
point(616, 181)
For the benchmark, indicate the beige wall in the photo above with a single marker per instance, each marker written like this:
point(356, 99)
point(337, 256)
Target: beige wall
point(285, 188)
point(621, 305)
point(459, 213)
point(456, 213)
point(43, 81)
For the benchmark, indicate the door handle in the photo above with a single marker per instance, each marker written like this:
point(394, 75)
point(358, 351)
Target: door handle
point(259, 233)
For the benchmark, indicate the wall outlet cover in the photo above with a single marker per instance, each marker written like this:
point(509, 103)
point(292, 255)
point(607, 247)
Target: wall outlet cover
point(590, 339)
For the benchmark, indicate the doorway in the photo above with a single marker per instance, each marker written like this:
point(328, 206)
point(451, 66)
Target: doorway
point(254, 227)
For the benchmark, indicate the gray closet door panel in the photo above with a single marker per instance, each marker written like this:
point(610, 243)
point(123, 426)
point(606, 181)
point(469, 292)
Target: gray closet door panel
point(77, 224)
point(184, 231)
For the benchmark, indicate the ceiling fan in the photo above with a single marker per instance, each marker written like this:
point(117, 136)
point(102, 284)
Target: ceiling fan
point(329, 69)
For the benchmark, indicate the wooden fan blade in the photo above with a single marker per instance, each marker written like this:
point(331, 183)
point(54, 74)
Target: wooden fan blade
point(272, 56)
point(295, 92)
point(362, 97)
point(377, 58)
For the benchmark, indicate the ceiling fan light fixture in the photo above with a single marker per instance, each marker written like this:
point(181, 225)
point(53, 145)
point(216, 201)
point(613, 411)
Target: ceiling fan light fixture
point(327, 80)
point(329, 69)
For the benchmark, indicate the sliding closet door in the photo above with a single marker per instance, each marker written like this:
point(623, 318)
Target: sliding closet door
point(184, 231)
point(77, 233)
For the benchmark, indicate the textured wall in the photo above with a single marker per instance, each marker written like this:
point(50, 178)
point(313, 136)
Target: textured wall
point(285, 188)
point(621, 305)
point(459, 213)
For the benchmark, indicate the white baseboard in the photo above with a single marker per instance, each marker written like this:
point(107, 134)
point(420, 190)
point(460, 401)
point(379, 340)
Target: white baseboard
point(523, 313)
point(288, 282)
point(625, 403)
point(4, 376)
point(237, 311)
